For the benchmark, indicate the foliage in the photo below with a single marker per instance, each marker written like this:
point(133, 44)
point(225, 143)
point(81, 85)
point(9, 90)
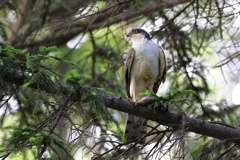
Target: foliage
point(29, 137)
point(172, 97)
point(76, 48)
point(36, 69)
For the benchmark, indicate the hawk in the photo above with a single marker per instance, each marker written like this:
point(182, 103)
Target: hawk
point(145, 69)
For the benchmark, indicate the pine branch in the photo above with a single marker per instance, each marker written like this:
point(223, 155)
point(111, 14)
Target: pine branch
point(162, 117)
point(100, 22)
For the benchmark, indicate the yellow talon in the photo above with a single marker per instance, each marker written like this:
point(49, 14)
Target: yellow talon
point(136, 102)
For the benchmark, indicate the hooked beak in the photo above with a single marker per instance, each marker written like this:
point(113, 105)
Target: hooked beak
point(129, 34)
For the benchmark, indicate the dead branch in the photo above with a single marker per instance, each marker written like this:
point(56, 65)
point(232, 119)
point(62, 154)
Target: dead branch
point(66, 36)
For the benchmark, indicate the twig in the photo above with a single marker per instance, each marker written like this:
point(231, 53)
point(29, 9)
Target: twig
point(164, 118)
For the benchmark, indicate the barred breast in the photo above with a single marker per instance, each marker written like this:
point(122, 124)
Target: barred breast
point(145, 67)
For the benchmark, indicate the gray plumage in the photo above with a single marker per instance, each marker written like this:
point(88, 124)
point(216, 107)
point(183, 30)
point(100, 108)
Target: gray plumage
point(145, 69)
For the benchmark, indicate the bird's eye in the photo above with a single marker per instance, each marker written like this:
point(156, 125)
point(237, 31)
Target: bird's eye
point(135, 31)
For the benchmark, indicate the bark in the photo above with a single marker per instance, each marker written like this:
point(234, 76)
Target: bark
point(211, 129)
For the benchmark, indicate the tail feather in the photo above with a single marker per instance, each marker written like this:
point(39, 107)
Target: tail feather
point(135, 128)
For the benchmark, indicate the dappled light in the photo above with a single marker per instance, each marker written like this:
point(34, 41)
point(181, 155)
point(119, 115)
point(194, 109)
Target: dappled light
point(62, 77)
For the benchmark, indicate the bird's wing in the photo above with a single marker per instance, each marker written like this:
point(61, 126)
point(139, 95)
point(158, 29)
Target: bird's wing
point(162, 71)
point(127, 70)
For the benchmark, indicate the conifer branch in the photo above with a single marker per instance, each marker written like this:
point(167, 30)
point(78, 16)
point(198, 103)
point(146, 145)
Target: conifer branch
point(211, 129)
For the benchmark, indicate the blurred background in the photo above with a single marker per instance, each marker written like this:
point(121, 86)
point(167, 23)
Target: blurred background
point(200, 38)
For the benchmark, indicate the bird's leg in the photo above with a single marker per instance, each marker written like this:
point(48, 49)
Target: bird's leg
point(150, 88)
point(130, 99)
point(137, 101)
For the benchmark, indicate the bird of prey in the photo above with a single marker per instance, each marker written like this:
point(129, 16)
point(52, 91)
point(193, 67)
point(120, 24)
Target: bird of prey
point(145, 69)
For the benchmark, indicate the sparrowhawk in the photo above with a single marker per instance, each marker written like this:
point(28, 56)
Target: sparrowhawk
point(145, 69)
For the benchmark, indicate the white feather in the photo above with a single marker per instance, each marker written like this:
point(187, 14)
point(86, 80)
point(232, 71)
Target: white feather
point(144, 67)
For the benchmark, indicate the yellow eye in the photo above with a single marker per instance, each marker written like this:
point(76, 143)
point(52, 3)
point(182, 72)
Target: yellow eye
point(135, 31)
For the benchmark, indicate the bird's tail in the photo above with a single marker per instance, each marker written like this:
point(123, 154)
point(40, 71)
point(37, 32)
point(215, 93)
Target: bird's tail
point(136, 128)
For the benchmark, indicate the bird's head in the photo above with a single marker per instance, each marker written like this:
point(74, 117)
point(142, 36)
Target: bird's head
point(138, 35)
